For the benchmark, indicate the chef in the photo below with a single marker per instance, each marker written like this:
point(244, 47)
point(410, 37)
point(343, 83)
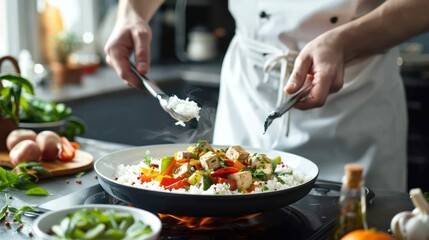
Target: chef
point(355, 110)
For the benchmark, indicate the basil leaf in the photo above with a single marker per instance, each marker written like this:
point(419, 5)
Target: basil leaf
point(26, 209)
point(3, 211)
point(12, 178)
point(37, 191)
point(13, 209)
point(4, 182)
point(24, 182)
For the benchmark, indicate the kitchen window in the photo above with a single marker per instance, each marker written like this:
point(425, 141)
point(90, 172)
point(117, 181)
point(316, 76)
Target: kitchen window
point(19, 22)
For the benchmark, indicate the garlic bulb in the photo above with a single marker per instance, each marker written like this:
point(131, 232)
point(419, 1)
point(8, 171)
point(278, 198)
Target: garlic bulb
point(413, 225)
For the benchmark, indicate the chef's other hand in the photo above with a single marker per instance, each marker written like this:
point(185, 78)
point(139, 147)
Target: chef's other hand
point(131, 34)
point(323, 60)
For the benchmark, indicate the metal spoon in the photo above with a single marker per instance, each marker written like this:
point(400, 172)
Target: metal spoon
point(163, 98)
point(288, 104)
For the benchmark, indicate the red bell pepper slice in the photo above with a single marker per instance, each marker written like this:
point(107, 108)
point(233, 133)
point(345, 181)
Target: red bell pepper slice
point(68, 151)
point(179, 184)
point(228, 162)
point(224, 172)
point(166, 181)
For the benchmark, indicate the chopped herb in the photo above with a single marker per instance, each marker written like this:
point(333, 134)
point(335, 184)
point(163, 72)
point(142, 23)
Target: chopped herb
point(147, 158)
point(80, 174)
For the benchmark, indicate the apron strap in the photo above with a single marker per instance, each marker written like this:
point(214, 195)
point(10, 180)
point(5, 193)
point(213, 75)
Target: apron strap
point(271, 58)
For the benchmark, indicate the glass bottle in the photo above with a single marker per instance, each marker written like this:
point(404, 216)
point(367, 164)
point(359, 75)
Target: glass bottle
point(352, 203)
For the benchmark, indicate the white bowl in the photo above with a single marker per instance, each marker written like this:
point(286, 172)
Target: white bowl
point(43, 224)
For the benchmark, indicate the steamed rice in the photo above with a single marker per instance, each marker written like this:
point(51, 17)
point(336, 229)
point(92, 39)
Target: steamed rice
point(185, 107)
point(128, 175)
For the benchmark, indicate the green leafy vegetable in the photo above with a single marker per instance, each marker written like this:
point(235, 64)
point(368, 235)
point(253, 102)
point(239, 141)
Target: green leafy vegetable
point(15, 102)
point(97, 224)
point(73, 127)
point(23, 177)
point(10, 95)
point(37, 110)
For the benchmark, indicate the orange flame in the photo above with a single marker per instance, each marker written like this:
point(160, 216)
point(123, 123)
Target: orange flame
point(202, 223)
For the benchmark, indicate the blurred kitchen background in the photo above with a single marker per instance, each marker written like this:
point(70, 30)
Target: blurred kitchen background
point(59, 45)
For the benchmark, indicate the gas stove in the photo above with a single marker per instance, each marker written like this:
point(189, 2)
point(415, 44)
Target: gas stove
point(312, 217)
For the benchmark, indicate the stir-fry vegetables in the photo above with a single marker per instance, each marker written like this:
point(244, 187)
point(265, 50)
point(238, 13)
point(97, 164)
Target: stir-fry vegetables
point(202, 166)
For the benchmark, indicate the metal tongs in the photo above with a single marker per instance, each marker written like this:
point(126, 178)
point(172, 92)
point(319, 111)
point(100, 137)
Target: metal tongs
point(288, 104)
point(163, 98)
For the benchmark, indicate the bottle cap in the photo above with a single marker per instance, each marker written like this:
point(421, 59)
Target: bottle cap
point(353, 173)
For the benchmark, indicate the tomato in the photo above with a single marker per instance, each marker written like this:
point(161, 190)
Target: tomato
point(76, 145)
point(67, 150)
point(232, 184)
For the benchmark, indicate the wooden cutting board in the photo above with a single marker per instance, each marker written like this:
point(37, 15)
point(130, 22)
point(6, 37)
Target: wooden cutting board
point(83, 161)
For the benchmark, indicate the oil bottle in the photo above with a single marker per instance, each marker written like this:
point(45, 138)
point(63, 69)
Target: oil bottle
point(352, 203)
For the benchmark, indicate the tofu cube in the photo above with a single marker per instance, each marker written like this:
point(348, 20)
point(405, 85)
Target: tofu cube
point(237, 152)
point(184, 155)
point(257, 159)
point(262, 163)
point(203, 146)
point(183, 171)
point(210, 161)
point(243, 179)
point(266, 168)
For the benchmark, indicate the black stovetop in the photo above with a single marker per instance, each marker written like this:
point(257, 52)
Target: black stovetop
point(312, 217)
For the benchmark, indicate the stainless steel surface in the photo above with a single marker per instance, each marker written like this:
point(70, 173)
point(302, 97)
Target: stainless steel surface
point(288, 104)
point(163, 98)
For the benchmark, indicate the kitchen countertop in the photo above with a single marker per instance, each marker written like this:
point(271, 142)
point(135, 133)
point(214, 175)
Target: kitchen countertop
point(383, 207)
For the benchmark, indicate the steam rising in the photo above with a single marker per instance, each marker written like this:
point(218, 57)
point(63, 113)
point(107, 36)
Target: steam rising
point(194, 130)
point(203, 129)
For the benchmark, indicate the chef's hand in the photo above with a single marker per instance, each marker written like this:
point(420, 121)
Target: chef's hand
point(322, 62)
point(131, 34)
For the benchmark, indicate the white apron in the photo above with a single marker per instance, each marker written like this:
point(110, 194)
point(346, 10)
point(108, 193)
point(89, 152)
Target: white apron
point(365, 122)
